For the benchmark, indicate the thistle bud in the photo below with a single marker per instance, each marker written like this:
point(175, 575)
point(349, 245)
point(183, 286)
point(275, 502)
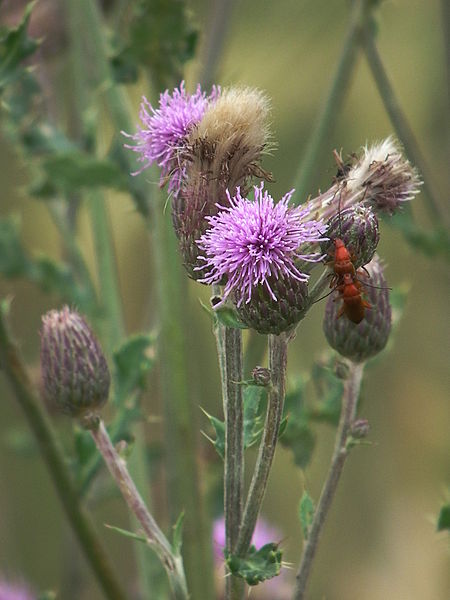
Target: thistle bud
point(357, 227)
point(360, 429)
point(360, 341)
point(261, 376)
point(74, 370)
point(276, 312)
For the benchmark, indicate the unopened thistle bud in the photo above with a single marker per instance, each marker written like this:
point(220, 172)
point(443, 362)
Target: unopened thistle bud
point(225, 150)
point(357, 227)
point(257, 248)
point(261, 376)
point(360, 429)
point(360, 341)
point(74, 370)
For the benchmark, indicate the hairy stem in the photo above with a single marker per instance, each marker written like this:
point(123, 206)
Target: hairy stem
point(229, 350)
point(341, 451)
point(156, 538)
point(275, 403)
point(333, 102)
point(401, 125)
point(31, 404)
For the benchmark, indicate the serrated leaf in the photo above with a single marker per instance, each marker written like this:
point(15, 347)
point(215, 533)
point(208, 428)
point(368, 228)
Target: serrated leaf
point(306, 513)
point(258, 565)
point(75, 170)
point(329, 389)
point(177, 539)
point(133, 361)
point(444, 518)
point(219, 429)
point(228, 317)
point(434, 242)
point(160, 38)
point(15, 47)
point(253, 421)
point(129, 534)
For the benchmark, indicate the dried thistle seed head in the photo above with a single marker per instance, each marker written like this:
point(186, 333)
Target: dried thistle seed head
point(357, 227)
point(74, 370)
point(225, 150)
point(367, 338)
point(385, 175)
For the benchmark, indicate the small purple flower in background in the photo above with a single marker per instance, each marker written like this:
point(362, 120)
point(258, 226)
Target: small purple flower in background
point(163, 137)
point(15, 591)
point(277, 588)
point(251, 242)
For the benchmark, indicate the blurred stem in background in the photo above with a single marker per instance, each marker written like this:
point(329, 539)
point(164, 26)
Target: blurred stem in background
point(32, 406)
point(401, 125)
point(333, 103)
point(341, 451)
point(88, 30)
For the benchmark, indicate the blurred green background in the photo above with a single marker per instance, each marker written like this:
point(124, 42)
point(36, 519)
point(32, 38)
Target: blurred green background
point(380, 541)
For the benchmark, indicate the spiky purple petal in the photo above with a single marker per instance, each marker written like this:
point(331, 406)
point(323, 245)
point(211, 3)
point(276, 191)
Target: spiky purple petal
point(251, 242)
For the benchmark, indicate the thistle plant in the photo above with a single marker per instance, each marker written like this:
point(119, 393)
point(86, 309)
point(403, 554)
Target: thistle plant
point(194, 159)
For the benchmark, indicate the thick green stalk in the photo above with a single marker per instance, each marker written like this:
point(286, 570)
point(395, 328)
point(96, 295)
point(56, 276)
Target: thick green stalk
point(32, 406)
point(229, 350)
point(340, 454)
point(275, 402)
point(181, 442)
point(401, 125)
point(333, 102)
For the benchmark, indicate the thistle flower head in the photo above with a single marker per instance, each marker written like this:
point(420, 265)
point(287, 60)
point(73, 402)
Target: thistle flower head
point(361, 341)
point(163, 136)
point(251, 243)
point(74, 370)
point(14, 591)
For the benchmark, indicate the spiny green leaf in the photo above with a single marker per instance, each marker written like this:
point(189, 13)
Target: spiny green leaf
point(253, 422)
point(444, 518)
point(177, 534)
point(306, 513)
point(129, 534)
point(258, 565)
point(75, 170)
point(133, 361)
point(329, 390)
point(219, 428)
point(228, 317)
point(15, 46)
point(160, 37)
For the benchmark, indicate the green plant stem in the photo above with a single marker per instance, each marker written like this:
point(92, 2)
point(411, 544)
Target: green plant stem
point(107, 270)
point(275, 402)
point(31, 404)
point(333, 102)
point(180, 434)
point(348, 411)
point(401, 125)
point(117, 466)
point(219, 21)
point(229, 351)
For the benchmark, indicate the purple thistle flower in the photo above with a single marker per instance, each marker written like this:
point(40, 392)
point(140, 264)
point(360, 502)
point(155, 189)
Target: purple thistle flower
point(15, 591)
point(250, 242)
point(162, 139)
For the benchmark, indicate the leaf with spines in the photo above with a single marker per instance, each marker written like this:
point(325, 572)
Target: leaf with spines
point(298, 435)
point(160, 37)
point(258, 565)
point(306, 513)
point(133, 360)
point(444, 518)
point(128, 534)
point(15, 47)
point(219, 429)
point(253, 421)
point(177, 538)
point(329, 388)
